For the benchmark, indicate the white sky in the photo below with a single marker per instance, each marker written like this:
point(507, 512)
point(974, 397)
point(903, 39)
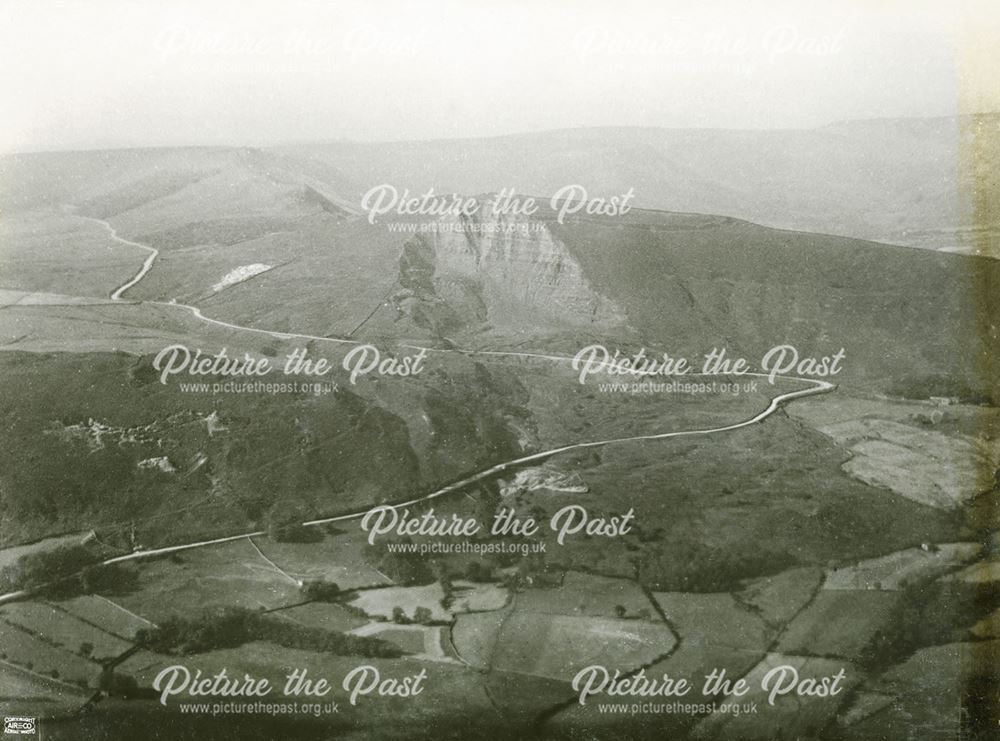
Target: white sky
point(95, 73)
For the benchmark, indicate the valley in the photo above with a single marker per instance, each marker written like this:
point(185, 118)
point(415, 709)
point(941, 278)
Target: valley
point(819, 524)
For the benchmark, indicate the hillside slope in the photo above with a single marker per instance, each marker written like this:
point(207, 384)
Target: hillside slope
point(903, 181)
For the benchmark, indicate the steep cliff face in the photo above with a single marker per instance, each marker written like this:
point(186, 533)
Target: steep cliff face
point(501, 272)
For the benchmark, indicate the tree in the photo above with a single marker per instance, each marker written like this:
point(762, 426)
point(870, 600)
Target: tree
point(319, 590)
point(66, 571)
point(117, 685)
point(440, 571)
point(108, 578)
point(284, 524)
point(487, 501)
point(478, 571)
point(86, 649)
point(235, 626)
point(34, 569)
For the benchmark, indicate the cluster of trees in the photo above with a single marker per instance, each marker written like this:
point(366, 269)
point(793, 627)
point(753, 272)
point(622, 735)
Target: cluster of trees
point(443, 577)
point(477, 571)
point(533, 570)
point(65, 571)
point(284, 523)
point(320, 590)
point(621, 612)
point(235, 626)
point(421, 616)
point(114, 684)
point(35, 569)
point(412, 569)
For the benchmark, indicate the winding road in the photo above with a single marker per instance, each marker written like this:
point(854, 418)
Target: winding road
point(147, 265)
point(815, 386)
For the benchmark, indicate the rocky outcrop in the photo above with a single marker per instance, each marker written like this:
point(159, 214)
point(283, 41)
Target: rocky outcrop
point(160, 463)
point(497, 271)
point(544, 478)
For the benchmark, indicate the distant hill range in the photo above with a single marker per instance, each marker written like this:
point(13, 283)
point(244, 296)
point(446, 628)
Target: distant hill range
point(905, 181)
point(916, 182)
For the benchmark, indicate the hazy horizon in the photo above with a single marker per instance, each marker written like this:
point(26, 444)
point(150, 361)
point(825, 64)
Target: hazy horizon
point(111, 75)
point(513, 134)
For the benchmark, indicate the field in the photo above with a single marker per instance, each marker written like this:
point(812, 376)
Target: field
point(559, 646)
point(29, 652)
point(938, 454)
point(232, 574)
point(779, 597)
point(477, 597)
point(338, 559)
point(102, 612)
point(588, 595)
point(928, 467)
point(382, 602)
point(897, 570)
point(475, 636)
point(322, 615)
point(56, 628)
point(25, 693)
point(430, 642)
point(713, 620)
point(411, 641)
point(841, 623)
point(714, 632)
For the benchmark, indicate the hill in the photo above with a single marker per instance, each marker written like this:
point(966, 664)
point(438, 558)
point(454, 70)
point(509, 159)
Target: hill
point(902, 181)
